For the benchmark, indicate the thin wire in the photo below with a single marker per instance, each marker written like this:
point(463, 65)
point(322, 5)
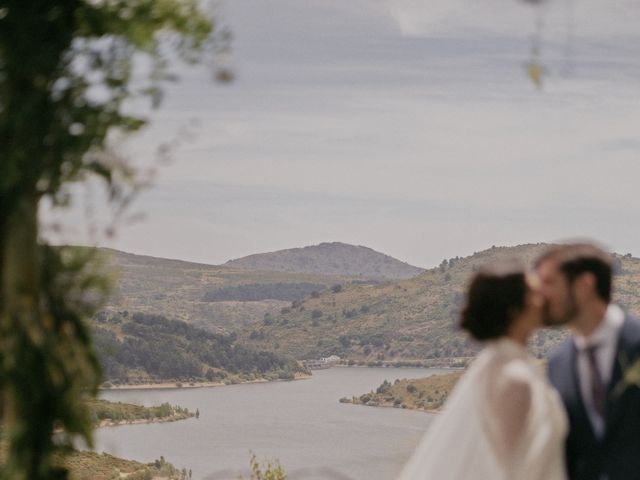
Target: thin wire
point(569, 40)
point(536, 39)
point(534, 67)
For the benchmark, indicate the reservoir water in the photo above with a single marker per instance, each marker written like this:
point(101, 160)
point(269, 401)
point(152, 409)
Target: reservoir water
point(300, 423)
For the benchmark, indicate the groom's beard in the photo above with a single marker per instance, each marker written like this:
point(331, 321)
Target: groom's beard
point(569, 312)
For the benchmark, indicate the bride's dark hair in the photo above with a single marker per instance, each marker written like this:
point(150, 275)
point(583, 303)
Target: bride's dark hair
point(496, 293)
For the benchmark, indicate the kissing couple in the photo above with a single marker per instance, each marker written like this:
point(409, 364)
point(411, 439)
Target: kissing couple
point(506, 419)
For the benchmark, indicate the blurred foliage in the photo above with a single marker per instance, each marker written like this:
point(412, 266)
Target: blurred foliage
point(66, 71)
point(269, 471)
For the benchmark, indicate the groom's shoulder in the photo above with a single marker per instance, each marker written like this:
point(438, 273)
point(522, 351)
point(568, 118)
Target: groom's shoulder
point(561, 353)
point(559, 363)
point(631, 328)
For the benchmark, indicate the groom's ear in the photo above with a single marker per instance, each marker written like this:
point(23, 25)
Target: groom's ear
point(585, 284)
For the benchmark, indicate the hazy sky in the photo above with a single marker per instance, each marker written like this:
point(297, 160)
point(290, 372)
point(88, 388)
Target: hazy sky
point(406, 126)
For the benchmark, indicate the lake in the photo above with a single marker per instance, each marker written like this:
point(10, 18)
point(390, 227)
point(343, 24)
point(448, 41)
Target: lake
point(300, 423)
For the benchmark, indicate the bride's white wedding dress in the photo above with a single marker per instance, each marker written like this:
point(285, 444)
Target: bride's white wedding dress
point(463, 442)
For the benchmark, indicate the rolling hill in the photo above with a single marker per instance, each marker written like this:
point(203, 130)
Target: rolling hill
point(218, 298)
point(404, 321)
point(334, 258)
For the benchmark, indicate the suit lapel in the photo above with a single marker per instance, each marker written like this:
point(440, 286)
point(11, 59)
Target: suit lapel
point(574, 398)
point(615, 399)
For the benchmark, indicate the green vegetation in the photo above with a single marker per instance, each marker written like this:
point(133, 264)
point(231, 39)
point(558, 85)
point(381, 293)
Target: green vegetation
point(254, 292)
point(108, 413)
point(269, 471)
point(145, 348)
point(422, 394)
point(102, 466)
point(85, 465)
point(63, 91)
point(179, 290)
point(408, 322)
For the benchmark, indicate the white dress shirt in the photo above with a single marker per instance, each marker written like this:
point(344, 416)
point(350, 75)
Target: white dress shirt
point(606, 339)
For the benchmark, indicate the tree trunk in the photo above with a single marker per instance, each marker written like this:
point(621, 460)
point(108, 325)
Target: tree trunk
point(20, 327)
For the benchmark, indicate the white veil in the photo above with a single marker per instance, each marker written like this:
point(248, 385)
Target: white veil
point(456, 445)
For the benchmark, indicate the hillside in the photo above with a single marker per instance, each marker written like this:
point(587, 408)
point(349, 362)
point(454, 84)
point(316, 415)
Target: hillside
point(404, 321)
point(330, 259)
point(145, 348)
point(213, 297)
point(85, 465)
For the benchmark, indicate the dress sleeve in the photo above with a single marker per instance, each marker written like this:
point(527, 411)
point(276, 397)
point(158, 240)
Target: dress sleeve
point(509, 406)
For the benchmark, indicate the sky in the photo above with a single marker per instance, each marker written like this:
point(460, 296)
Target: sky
point(406, 126)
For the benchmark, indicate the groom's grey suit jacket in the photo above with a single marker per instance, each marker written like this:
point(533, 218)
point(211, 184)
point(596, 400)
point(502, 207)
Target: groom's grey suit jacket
point(616, 455)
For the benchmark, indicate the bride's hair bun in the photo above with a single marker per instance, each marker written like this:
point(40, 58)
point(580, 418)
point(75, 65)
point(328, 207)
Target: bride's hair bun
point(496, 293)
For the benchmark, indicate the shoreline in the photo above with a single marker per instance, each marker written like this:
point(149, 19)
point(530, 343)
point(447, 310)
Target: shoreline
point(107, 423)
point(182, 385)
point(143, 421)
point(391, 367)
point(391, 405)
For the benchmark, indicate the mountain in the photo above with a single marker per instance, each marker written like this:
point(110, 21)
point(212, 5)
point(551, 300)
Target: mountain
point(309, 315)
point(408, 320)
point(218, 298)
point(330, 259)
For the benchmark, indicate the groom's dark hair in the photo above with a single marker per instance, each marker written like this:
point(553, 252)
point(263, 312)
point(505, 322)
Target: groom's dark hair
point(577, 258)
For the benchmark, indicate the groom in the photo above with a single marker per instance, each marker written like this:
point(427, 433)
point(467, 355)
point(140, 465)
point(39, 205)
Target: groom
point(592, 370)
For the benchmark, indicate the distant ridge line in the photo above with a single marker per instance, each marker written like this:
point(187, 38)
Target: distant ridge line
point(330, 258)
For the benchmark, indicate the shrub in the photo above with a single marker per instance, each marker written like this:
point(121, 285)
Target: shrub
point(272, 471)
point(384, 387)
point(365, 398)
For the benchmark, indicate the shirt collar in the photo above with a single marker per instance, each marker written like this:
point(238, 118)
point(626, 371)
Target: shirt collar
point(606, 331)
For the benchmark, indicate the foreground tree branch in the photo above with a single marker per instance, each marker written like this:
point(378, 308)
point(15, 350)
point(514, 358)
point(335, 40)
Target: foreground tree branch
point(65, 72)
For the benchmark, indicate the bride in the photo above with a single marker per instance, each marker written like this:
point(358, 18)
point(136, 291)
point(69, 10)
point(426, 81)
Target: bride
point(503, 421)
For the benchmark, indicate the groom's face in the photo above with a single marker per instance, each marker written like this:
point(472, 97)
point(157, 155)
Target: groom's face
point(560, 304)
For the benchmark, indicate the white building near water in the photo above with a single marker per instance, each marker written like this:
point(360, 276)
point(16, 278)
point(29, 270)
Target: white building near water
point(325, 362)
